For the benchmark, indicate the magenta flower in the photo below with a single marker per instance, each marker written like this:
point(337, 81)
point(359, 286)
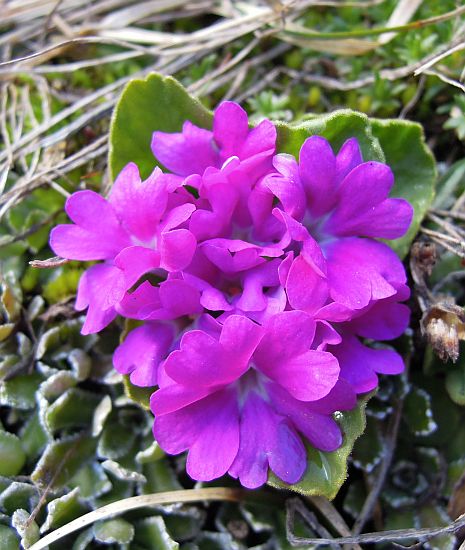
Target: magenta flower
point(258, 280)
point(237, 397)
point(338, 199)
point(137, 230)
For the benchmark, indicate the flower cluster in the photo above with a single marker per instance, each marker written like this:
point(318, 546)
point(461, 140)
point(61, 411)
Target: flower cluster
point(258, 281)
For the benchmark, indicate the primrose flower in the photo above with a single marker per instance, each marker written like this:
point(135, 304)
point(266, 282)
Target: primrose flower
point(343, 203)
point(140, 228)
point(237, 397)
point(261, 292)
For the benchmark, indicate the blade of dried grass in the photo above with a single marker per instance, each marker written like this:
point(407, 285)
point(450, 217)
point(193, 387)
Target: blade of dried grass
point(141, 501)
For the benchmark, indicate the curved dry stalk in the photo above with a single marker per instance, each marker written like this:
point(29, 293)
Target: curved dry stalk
point(141, 501)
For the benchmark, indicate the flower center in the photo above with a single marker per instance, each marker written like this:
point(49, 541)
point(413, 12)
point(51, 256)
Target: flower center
point(252, 380)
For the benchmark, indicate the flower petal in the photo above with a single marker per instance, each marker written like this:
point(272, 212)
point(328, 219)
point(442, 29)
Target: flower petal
point(230, 128)
point(136, 261)
point(177, 248)
point(317, 166)
point(348, 158)
point(360, 210)
point(185, 153)
point(240, 337)
point(306, 289)
point(266, 439)
point(139, 204)
point(385, 320)
point(216, 447)
point(287, 334)
point(308, 376)
point(361, 270)
point(359, 364)
point(321, 430)
point(103, 287)
point(142, 351)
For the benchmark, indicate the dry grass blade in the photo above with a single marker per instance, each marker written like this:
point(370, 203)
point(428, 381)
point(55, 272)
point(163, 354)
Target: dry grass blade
point(390, 536)
point(354, 42)
point(134, 503)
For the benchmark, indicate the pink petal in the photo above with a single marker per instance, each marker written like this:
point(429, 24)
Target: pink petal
point(97, 235)
point(348, 158)
point(141, 302)
point(139, 204)
point(185, 153)
point(360, 270)
point(103, 287)
point(177, 216)
point(266, 439)
point(308, 376)
point(287, 334)
point(174, 397)
point(358, 364)
point(260, 142)
point(306, 289)
point(177, 248)
point(179, 298)
point(74, 243)
point(362, 207)
point(216, 447)
point(288, 188)
point(385, 320)
point(230, 128)
point(317, 165)
point(141, 352)
point(240, 337)
point(321, 430)
point(390, 219)
point(136, 261)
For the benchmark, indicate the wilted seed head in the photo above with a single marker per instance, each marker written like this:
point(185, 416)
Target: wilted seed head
point(444, 325)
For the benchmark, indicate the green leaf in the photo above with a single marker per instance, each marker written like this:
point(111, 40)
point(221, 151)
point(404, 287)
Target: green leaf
point(27, 528)
point(455, 385)
point(336, 127)
point(115, 441)
point(33, 437)
point(160, 477)
point(62, 510)
point(404, 147)
point(12, 455)
point(368, 450)
point(151, 533)
point(138, 394)
point(91, 480)
point(156, 103)
point(18, 495)
point(8, 539)
point(62, 459)
point(326, 472)
point(151, 454)
point(417, 412)
point(19, 392)
point(114, 530)
point(74, 408)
